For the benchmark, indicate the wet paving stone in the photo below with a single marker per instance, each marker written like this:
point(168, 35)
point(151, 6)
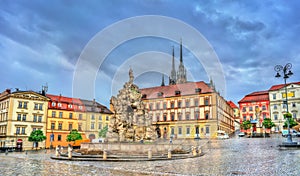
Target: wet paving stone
point(237, 156)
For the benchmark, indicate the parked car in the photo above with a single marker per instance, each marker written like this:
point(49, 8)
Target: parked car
point(241, 134)
point(222, 135)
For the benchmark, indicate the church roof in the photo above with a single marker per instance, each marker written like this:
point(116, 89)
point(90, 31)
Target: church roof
point(188, 88)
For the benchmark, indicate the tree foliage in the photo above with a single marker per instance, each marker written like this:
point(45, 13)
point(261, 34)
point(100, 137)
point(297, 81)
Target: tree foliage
point(73, 136)
point(267, 123)
point(103, 131)
point(246, 125)
point(291, 121)
point(36, 136)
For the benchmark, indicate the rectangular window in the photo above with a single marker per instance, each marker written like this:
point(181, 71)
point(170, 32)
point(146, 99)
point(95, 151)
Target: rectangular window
point(165, 105)
point(188, 130)
point(187, 103)
point(71, 115)
point(196, 102)
point(79, 127)
point(35, 106)
point(60, 114)
point(92, 126)
point(41, 107)
point(20, 104)
point(24, 117)
point(179, 104)
point(100, 117)
point(19, 117)
point(59, 126)
point(157, 105)
point(264, 107)
point(157, 118)
point(150, 106)
point(206, 115)
point(165, 117)
point(187, 116)
point(33, 129)
point(207, 130)
point(99, 126)
point(53, 113)
point(275, 117)
point(52, 126)
point(107, 118)
point(70, 126)
point(274, 96)
point(244, 109)
point(23, 130)
point(172, 116)
point(294, 115)
point(59, 137)
point(25, 105)
point(172, 104)
point(250, 108)
point(206, 101)
point(80, 117)
point(172, 131)
point(40, 119)
point(34, 118)
point(179, 116)
point(264, 115)
point(275, 106)
point(18, 130)
point(179, 130)
point(93, 117)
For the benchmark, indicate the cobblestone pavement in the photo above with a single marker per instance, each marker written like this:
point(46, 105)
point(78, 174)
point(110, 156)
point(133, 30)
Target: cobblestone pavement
point(236, 156)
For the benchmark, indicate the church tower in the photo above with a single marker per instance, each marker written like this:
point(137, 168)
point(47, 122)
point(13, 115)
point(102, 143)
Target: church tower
point(181, 74)
point(172, 78)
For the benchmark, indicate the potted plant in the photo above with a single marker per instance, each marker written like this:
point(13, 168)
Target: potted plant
point(268, 124)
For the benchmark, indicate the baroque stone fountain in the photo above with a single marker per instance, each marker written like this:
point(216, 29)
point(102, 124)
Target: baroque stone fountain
point(130, 121)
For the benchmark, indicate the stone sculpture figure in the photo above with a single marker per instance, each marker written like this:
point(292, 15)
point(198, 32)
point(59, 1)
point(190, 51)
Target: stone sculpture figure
point(130, 121)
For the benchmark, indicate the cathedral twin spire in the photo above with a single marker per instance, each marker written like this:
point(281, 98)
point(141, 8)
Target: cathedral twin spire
point(180, 76)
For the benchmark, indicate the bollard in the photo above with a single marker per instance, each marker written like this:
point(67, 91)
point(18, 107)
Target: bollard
point(150, 154)
point(194, 151)
point(169, 154)
point(104, 155)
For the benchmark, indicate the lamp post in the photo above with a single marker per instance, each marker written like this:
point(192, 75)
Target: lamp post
point(286, 70)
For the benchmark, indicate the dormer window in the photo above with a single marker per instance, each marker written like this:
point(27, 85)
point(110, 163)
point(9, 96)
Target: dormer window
point(198, 90)
point(70, 106)
point(53, 103)
point(144, 96)
point(59, 104)
point(159, 94)
point(177, 92)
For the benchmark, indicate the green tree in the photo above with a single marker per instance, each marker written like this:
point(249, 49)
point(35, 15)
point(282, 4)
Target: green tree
point(73, 136)
point(36, 136)
point(246, 125)
point(267, 123)
point(103, 131)
point(292, 123)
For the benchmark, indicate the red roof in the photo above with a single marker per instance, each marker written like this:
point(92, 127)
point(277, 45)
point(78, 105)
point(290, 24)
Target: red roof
point(256, 97)
point(189, 88)
point(280, 86)
point(232, 105)
point(63, 99)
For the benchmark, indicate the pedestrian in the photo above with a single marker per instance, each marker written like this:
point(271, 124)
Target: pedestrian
point(57, 151)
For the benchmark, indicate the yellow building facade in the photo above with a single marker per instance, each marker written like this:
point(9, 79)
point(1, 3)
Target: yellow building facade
point(189, 110)
point(22, 112)
point(64, 114)
point(97, 117)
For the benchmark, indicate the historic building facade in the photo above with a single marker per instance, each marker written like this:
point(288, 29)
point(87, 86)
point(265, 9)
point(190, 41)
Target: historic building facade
point(64, 114)
point(97, 117)
point(255, 107)
point(236, 112)
point(21, 112)
point(189, 110)
point(278, 107)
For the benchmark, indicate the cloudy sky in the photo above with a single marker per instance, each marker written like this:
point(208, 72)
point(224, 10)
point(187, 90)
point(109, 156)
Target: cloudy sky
point(42, 42)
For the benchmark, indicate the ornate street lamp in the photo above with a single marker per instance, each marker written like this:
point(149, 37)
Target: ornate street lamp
point(286, 70)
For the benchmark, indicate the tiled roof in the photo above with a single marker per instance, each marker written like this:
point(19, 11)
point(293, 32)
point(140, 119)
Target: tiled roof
point(256, 97)
point(63, 99)
point(280, 86)
point(170, 90)
point(231, 104)
point(93, 106)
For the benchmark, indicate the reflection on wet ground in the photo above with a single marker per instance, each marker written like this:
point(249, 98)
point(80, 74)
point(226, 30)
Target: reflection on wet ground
point(237, 156)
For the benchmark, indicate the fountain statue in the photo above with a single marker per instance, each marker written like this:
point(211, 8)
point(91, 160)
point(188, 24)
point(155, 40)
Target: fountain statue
point(130, 121)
